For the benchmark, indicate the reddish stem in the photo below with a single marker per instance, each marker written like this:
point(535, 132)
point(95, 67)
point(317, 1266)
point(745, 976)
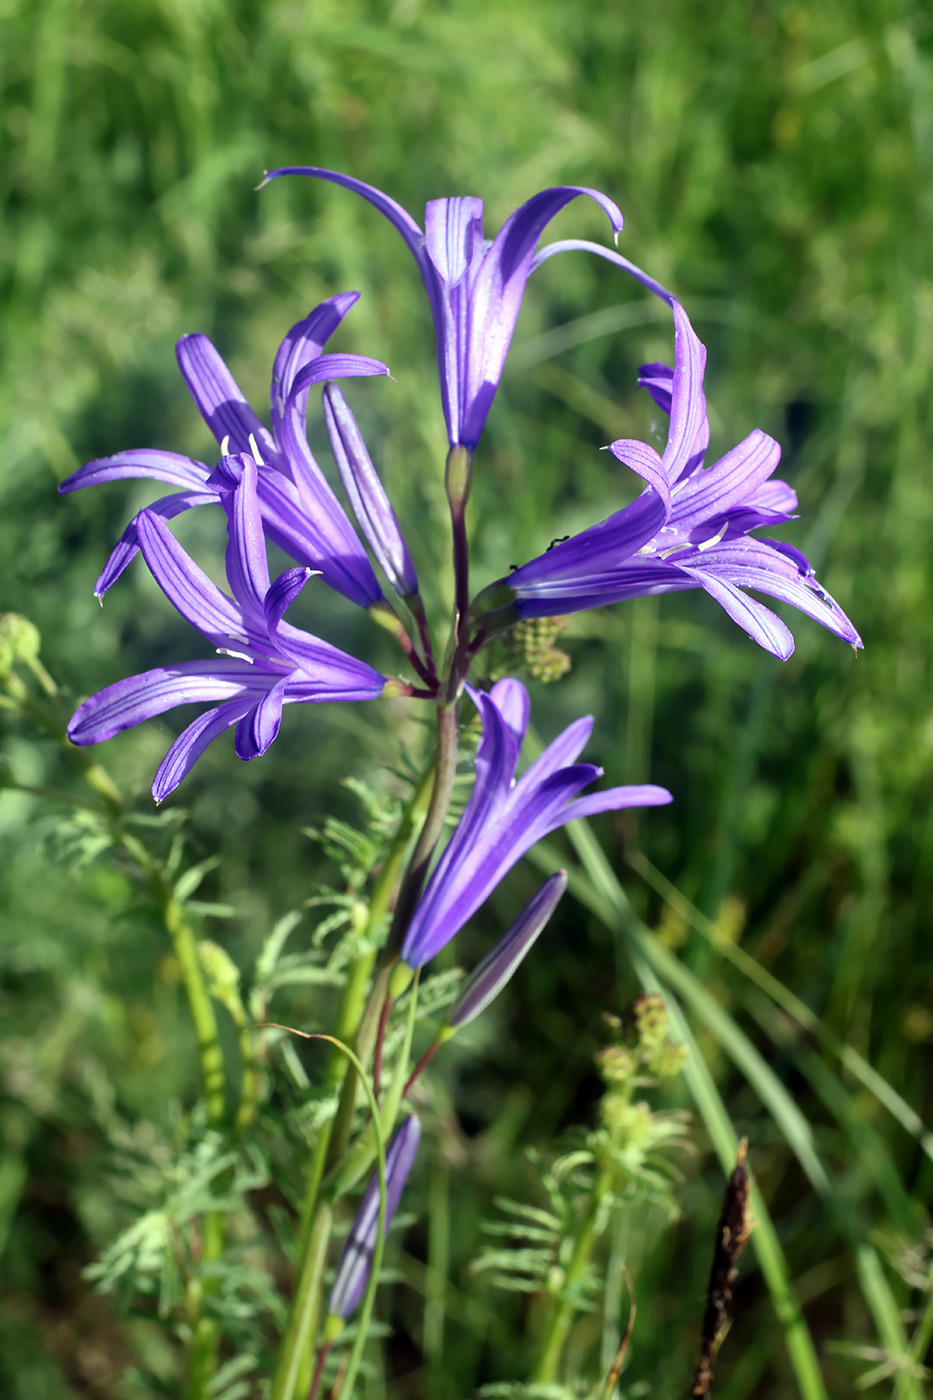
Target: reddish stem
point(380, 1038)
point(421, 1066)
point(322, 1356)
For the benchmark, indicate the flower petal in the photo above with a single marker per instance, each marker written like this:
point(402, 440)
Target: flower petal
point(689, 430)
point(257, 729)
point(324, 672)
point(128, 702)
point(320, 538)
point(246, 559)
point(600, 548)
point(191, 743)
point(643, 459)
point(496, 298)
point(584, 245)
point(761, 624)
point(164, 466)
point(282, 593)
point(128, 544)
point(321, 516)
point(765, 573)
point(728, 483)
point(453, 236)
point(657, 379)
point(394, 212)
point(219, 398)
point(368, 500)
point(502, 821)
point(513, 703)
point(188, 588)
point(333, 367)
point(305, 342)
point(560, 752)
point(454, 246)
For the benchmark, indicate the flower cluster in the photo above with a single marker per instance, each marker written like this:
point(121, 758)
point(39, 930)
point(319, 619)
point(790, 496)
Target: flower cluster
point(693, 526)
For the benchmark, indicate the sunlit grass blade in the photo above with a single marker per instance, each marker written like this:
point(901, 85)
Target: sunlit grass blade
point(783, 997)
point(656, 965)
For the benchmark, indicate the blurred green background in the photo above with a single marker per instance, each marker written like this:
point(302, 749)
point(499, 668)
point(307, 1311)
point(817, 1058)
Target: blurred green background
point(775, 166)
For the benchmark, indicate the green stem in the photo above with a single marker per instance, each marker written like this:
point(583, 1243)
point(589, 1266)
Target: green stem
point(205, 1331)
point(562, 1314)
point(350, 1027)
point(445, 770)
point(303, 1314)
point(205, 1334)
point(192, 974)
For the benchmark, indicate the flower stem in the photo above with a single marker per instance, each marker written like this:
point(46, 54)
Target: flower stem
point(192, 975)
point(422, 1065)
point(304, 1305)
point(322, 1356)
point(445, 770)
point(205, 1331)
point(351, 1026)
point(458, 480)
point(562, 1307)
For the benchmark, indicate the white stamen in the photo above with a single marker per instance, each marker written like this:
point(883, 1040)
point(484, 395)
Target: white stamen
point(236, 655)
point(708, 544)
point(257, 455)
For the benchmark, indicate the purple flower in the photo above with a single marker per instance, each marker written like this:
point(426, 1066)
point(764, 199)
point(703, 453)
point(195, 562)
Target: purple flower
point(475, 288)
point(690, 527)
point(264, 662)
point(299, 510)
point(357, 1257)
point(505, 817)
point(369, 502)
point(499, 965)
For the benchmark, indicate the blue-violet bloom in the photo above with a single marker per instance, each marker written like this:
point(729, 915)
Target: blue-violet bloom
point(300, 512)
point(690, 527)
point(264, 662)
point(357, 1258)
point(474, 287)
point(505, 816)
point(499, 965)
point(367, 497)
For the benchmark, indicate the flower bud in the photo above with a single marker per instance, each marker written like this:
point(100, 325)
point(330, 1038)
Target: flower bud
point(488, 979)
point(357, 1258)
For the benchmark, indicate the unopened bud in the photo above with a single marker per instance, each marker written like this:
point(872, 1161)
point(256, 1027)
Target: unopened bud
point(357, 1258)
point(498, 967)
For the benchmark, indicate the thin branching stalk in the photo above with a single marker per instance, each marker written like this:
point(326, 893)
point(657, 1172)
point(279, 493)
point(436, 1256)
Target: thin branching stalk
point(351, 1026)
point(445, 770)
point(561, 1308)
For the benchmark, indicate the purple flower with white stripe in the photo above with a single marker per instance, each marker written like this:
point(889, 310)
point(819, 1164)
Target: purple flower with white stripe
point(264, 662)
point(475, 287)
point(356, 1261)
point(300, 511)
point(505, 816)
point(690, 527)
